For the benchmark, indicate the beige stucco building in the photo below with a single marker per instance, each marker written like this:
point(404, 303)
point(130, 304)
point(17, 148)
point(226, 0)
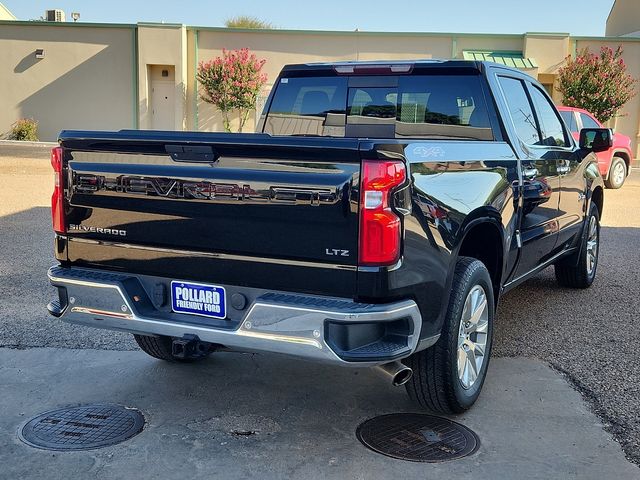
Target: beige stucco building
point(114, 76)
point(624, 19)
point(5, 14)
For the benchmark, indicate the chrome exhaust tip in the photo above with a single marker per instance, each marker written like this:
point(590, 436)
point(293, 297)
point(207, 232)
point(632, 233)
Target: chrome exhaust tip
point(398, 372)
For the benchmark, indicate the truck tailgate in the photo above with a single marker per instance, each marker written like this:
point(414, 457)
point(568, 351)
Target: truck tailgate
point(228, 202)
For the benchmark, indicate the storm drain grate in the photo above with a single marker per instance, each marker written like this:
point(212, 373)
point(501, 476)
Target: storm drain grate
point(417, 437)
point(82, 428)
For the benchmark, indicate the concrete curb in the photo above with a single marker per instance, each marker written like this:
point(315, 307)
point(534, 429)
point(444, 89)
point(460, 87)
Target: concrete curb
point(18, 143)
point(26, 150)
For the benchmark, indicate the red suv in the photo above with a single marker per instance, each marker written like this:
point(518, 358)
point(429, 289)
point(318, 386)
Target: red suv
point(615, 163)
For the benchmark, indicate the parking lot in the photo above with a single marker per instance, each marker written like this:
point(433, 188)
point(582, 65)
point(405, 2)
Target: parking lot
point(566, 382)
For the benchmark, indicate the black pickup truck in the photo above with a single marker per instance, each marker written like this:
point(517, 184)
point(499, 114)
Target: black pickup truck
point(374, 220)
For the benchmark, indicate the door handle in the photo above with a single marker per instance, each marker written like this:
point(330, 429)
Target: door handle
point(530, 173)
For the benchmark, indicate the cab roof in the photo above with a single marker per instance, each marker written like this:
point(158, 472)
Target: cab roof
point(373, 67)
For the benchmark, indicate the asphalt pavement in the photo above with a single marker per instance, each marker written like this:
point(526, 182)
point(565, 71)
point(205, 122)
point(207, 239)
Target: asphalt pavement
point(588, 336)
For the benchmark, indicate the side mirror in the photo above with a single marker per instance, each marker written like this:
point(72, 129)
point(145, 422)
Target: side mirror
point(596, 139)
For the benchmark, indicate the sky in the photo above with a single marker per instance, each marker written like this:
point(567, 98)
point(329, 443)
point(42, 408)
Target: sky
point(577, 17)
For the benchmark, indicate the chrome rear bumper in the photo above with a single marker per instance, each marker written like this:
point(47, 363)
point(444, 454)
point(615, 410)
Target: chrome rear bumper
point(312, 327)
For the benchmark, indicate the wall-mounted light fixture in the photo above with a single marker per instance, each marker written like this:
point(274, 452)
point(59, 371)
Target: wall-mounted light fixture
point(39, 53)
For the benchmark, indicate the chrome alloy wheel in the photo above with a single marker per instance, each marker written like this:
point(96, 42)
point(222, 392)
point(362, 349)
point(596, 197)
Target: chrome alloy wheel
point(592, 246)
point(618, 173)
point(472, 336)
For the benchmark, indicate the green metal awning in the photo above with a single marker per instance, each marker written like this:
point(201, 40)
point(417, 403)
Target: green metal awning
point(510, 59)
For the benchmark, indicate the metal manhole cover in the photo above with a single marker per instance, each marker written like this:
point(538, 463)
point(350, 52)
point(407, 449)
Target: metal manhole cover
point(418, 438)
point(82, 428)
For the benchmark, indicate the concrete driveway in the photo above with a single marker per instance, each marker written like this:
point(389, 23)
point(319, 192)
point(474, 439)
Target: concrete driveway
point(302, 417)
point(531, 422)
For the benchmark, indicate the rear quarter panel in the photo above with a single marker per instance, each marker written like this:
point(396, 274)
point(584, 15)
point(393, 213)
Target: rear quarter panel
point(454, 185)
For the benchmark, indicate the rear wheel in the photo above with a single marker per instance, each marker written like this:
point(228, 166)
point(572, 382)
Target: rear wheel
point(161, 347)
point(617, 173)
point(579, 270)
point(448, 377)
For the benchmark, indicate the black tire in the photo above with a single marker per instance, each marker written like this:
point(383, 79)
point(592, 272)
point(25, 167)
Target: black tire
point(160, 347)
point(435, 384)
point(574, 271)
point(615, 181)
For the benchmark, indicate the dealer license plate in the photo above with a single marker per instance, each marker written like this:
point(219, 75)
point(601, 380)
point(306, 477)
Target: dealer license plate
point(198, 299)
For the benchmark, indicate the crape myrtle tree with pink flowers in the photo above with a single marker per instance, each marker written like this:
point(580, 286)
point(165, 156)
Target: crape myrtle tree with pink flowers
point(232, 83)
point(598, 83)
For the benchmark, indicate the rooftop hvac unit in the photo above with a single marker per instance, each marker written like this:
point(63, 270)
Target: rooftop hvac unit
point(56, 15)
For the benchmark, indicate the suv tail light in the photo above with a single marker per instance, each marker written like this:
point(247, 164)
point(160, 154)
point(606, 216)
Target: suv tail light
point(380, 228)
point(57, 199)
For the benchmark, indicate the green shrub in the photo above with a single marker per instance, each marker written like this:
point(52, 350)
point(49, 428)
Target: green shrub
point(598, 83)
point(25, 129)
point(232, 82)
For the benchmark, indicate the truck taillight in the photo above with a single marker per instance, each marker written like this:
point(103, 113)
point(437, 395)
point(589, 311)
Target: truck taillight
point(380, 227)
point(57, 199)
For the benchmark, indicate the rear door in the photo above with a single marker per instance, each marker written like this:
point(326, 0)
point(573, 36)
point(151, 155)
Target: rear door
point(569, 167)
point(540, 180)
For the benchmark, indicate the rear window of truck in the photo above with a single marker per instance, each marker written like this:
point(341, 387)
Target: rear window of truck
point(416, 106)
